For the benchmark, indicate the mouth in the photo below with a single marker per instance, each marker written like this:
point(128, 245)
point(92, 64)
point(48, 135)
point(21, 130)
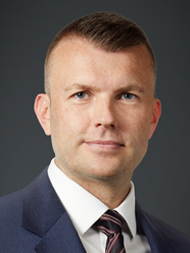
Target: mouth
point(105, 145)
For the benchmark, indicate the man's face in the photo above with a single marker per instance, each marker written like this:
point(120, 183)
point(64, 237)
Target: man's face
point(102, 110)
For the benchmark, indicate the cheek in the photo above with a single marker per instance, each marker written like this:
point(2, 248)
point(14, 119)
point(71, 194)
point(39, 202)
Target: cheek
point(144, 127)
point(68, 122)
point(139, 125)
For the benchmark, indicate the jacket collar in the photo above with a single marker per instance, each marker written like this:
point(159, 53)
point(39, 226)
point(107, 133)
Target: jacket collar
point(158, 240)
point(45, 216)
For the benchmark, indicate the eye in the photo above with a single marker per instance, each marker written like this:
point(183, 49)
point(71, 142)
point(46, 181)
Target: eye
point(81, 95)
point(128, 96)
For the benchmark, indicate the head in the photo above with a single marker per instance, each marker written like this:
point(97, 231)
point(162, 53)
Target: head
point(99, 106)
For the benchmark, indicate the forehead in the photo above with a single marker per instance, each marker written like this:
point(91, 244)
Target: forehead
point(78, 59)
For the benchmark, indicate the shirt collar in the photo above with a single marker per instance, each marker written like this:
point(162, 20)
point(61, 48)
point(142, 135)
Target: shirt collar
point(127, 210)
point(83, 206)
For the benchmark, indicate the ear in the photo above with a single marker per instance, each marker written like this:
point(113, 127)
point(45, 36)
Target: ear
point(42, 110)
point(155, 116)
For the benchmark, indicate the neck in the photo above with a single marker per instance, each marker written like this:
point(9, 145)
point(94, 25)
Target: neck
point(111, 195)
point(110, 190)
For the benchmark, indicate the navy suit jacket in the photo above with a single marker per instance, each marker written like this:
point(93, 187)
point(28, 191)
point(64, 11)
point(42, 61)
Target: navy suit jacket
point(34, 220)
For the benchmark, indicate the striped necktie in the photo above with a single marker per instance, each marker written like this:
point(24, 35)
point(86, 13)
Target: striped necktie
point(110, 223)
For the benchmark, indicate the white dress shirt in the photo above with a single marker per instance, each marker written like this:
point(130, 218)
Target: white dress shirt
point(84, 210)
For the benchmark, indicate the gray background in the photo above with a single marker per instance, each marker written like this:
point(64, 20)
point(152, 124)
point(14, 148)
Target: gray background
point(27, 29)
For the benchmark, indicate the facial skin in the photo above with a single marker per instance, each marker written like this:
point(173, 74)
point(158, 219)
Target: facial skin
point(100, 114)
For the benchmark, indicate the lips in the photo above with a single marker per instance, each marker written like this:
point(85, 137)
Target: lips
point(106, 145)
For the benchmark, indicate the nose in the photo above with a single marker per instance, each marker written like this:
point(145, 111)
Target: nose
point(104, 114)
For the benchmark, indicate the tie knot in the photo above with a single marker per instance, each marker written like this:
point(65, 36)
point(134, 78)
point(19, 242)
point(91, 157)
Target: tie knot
point(110, 222)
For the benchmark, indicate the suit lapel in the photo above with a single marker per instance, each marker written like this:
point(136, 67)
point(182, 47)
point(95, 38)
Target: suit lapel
point(158, 240)
point(44, 215)
point(61, 238)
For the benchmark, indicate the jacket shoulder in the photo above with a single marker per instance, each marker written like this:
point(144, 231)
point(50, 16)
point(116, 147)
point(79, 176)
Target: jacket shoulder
point(11, 207)
point(180, 239)
point(11, 229)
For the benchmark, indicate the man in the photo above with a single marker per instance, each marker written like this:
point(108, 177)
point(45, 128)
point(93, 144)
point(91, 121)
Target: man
point(100, 110)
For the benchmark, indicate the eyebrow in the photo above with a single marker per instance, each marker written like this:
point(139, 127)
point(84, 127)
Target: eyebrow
point(131, 87)
point(128, 88)
point(81, 87)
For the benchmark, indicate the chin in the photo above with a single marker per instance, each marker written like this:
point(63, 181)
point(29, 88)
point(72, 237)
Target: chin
point(105, 172)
